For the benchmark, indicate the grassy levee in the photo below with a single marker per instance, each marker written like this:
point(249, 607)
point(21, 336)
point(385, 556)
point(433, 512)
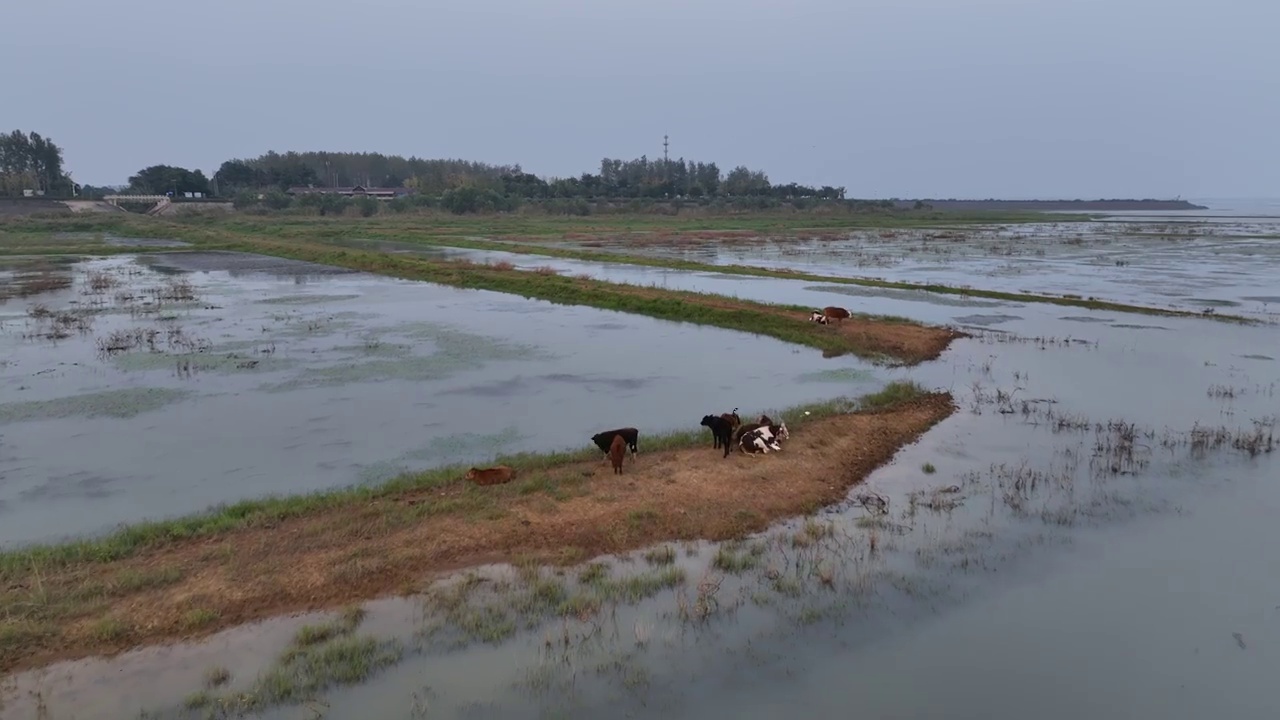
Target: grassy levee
point(878, 338)
point(189, 577)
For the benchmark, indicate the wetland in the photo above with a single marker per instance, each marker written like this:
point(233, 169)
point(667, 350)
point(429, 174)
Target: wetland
point(1052, 543)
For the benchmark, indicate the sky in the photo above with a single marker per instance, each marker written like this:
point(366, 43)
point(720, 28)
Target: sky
point(888, 98)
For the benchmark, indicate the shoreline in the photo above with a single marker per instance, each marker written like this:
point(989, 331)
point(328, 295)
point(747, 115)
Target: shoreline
point(188, 578)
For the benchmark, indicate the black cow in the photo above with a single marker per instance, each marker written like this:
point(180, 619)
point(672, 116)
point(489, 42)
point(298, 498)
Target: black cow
point(604, 439)
point(720, 428)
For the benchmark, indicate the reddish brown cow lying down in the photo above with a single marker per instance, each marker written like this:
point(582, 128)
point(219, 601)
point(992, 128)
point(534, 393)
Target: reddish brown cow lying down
point(490, 476)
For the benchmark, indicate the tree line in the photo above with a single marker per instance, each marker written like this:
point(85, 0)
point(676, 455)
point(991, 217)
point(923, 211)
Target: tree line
point(638, 178)
point(29, 161)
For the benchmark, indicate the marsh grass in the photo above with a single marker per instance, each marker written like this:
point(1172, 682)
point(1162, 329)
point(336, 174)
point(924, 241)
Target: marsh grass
point(896, 392)
point(216, 677)
point(664, 555)
point(472, 609)
point(319, 657)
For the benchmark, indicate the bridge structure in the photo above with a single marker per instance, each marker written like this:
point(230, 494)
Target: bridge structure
point(117, 199)
point(161, 201)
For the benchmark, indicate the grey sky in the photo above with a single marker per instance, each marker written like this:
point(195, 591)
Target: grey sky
point(907, 98)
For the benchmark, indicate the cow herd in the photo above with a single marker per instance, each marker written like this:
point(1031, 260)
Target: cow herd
point(727, 429)
point(760, 437)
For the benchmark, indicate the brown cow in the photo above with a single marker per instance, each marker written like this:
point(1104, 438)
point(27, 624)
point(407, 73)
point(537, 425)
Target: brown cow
point(617, 451)
point(498, 475)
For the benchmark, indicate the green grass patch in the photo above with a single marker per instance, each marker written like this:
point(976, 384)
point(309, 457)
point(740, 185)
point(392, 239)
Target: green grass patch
point(729, 559)
point(109, 630)
point(895, 393)
point(198, 618)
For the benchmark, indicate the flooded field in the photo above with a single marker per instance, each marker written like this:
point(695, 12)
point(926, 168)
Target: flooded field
point(202, 379)
point(1085, 537)
point(1187, 265)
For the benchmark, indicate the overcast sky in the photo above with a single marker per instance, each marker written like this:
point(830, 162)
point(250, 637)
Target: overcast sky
point(905, 98)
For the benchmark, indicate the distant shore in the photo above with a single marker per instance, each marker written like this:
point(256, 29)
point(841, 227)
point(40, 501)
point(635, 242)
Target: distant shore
point(18, 207)
point(1054, 205)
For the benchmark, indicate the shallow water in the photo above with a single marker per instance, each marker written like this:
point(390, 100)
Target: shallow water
point(1070, 579)
point(1185, 264)
point(310, 380)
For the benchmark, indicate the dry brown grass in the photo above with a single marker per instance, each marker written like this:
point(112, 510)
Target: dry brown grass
point(396, 543)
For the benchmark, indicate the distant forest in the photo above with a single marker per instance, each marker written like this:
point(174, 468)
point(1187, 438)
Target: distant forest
point(31, 164)
point(639, 178)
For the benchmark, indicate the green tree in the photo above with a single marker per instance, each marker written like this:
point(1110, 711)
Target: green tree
point(29, 161)
point(163, 179)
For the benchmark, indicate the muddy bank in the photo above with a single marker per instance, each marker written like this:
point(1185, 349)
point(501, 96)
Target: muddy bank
point(363, 549)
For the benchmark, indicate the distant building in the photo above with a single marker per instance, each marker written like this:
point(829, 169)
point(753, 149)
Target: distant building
point(355, 191)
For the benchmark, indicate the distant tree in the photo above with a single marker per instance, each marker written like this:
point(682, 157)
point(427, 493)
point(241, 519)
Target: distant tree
point(368, 206)
point(244, 199)
point(29, 161)
point(277, 200)
point(741, 181)
point(236, 175)
point(325, 203)
point(163, 179)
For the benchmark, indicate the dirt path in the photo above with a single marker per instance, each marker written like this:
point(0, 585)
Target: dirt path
point(354, 552)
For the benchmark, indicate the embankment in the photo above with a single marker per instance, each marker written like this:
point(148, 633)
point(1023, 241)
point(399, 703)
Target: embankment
point(191, 577)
